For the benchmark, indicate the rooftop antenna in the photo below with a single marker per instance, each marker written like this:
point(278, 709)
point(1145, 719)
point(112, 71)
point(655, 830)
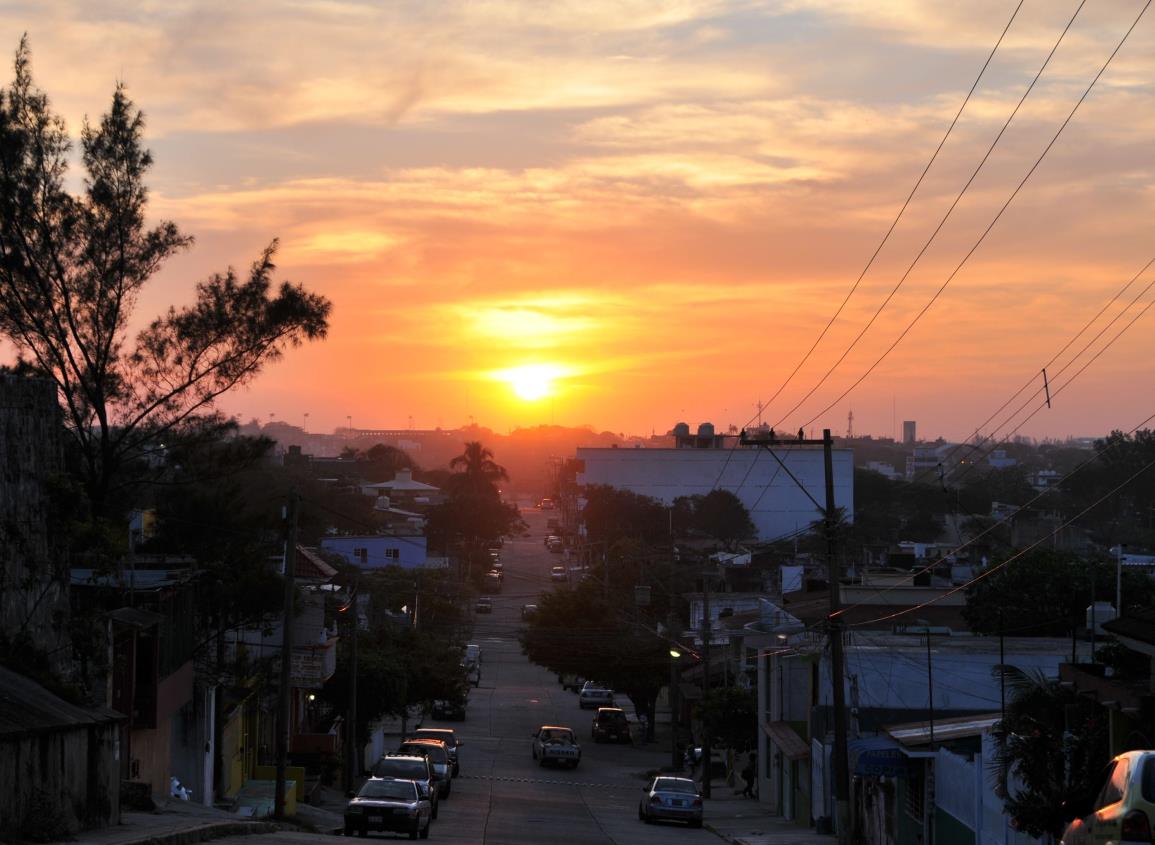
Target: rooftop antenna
point(850, 425)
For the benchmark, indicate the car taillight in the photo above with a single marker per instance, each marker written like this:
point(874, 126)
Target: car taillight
point(697, 802)
point(655, 799)
point(1136, 827)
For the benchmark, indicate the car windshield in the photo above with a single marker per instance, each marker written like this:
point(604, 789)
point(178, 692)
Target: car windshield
point(436, 753)
point(413, 769)
point(557, 736)
point(611, 716)
point(675, 785)
point(1147, 783)
point(402, 790)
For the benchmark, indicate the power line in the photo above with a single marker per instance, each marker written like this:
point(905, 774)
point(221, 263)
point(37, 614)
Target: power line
point(991, 226)
point(882, 243)
point(901, 211)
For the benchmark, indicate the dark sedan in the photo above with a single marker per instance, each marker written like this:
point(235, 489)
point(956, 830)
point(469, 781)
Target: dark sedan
point(389, 804)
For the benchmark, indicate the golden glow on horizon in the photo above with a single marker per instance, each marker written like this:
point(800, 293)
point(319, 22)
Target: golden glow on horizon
point(531, 381)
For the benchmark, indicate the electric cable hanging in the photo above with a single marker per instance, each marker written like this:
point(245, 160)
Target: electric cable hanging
point(942, 222)
point(991, 226)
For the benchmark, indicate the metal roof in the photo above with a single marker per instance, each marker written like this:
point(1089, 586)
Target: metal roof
point(26, 707)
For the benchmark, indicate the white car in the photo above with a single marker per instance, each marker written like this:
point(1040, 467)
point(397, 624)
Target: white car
point(556, 744)
point(1123, 810)
point(593, 696)
point(558, 574)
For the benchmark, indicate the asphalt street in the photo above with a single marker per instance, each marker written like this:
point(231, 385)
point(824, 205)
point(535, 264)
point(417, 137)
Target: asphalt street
point(503, 797)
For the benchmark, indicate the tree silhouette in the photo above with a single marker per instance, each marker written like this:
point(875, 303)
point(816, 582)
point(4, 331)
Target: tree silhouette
point(480, 473)
point(72, 268)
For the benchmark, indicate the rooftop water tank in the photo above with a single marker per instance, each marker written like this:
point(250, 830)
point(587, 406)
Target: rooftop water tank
point(706, 430)
point(681, 430)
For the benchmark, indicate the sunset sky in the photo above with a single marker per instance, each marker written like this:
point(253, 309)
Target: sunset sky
point(626, 214)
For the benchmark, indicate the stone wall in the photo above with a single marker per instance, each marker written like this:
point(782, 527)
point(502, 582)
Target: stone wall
point(33, 565)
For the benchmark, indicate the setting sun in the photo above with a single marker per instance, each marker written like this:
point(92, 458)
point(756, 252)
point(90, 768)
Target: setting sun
point(532, 381)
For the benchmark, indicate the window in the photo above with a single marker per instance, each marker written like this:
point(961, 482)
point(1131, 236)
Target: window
point(361, 554)
point(915, 787)
point(1113, 789)
point(392, 554)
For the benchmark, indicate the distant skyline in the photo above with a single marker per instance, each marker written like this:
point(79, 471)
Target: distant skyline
point(629, 214)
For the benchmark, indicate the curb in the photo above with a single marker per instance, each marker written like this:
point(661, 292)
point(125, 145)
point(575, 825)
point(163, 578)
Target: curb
point(727, 837)
point(204, 832)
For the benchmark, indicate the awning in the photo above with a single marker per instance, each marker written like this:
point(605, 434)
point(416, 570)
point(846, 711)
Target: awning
point(787, 740)
point(877, 755)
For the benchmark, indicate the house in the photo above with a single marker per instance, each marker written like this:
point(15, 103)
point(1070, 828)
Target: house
point(404, 492)
point(766, 480)
point(58, 768)
point(151, 642)
point(248, 713)
point(376, 551)
point(919, 676)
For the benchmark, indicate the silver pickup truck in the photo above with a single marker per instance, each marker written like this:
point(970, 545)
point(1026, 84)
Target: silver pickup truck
point(557, 745)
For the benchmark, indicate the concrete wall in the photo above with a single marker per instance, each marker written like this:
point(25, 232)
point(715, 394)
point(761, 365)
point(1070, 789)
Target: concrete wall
point(777, 506)
point(33, 575)
point(71, 774)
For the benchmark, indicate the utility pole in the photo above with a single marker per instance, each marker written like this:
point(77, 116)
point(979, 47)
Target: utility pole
point(837, 659)
point(842, 820)
point(284, 693)
point(353, 769)
point(706, 638)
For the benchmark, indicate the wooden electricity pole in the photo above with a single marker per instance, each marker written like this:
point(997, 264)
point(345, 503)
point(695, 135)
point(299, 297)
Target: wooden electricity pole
point(829, 513)
point(284, 693)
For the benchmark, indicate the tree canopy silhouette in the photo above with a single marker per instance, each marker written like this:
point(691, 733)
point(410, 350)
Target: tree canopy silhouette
point(72, 268)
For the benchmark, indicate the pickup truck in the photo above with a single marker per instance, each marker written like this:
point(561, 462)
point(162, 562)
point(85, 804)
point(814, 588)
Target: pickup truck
point(557, 745)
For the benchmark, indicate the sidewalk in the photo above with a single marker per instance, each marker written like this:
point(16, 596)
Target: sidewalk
point(176, 823)
point(743, 821)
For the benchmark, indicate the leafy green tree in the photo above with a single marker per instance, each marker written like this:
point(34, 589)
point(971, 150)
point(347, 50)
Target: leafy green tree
point(1054, 742)
point(1045, 593)
point(583, 632)
point(611, 515)
point(728, 713)
point(72, 268)
point(719, 515)
point(474, 518)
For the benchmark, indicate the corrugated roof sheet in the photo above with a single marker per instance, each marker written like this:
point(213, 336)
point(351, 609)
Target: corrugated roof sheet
point(27, 707)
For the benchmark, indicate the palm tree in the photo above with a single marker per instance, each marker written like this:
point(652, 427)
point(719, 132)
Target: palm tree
point(480, 471)
point(1052, 743)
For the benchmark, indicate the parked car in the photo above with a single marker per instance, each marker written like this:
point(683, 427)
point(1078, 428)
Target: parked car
point(449, 709)
point(1121, 807)
point(472, 653)
point(676, 799)
point(571, 682)
point(438, 756)
point(528, 611)
point(498, 567)
point(546, 504)
point(556, 744)
point(389, 804)
point(484, 605)
point(449, 737)
point(491, 583)
point(473, 673)
point(594, 695)
point(610, 725)
point(557, 574)
point(414, 767)
point(554, 544)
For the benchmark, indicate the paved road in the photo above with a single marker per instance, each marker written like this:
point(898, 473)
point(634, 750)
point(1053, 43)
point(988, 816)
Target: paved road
point(502, 796)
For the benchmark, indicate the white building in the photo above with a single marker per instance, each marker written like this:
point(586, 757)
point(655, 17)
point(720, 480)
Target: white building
point(782, 488)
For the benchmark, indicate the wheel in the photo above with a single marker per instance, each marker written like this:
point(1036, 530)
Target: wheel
point(641, 815)
point(448, 789)
point(348, 830)
point(363, 832)
point(425, 832)
point(541, 763)
point(433, 811)
point(414, 831)
point(646, 817)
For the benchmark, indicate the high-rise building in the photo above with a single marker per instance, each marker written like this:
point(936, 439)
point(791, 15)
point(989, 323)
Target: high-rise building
point(908, 432)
